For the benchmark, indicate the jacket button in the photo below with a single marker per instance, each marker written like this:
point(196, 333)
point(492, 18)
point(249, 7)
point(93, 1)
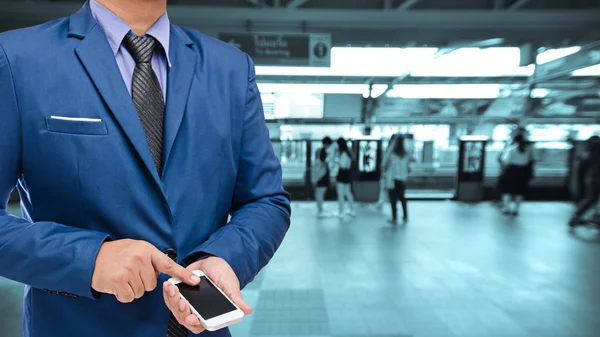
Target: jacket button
point(172, 254)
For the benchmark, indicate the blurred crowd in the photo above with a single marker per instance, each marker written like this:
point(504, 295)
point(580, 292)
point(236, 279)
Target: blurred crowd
point(517, 162)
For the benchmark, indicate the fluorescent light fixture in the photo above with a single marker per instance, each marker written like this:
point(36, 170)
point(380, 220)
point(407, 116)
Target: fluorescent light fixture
point(539, 93)
point(446, 91)
point(476, 62)
point(554, 54)
point(392, 62)
point(313, 88)
point(589, 71)
point(388, 62)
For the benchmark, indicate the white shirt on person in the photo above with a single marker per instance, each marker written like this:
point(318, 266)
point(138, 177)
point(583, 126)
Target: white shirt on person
point(513, 156)
point(345, 161)
point(398, 167)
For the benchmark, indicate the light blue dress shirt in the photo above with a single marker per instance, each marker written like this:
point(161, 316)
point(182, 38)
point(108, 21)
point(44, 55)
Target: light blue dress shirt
point(115, 30)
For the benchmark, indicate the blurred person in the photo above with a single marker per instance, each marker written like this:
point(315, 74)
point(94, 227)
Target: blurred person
point(344, 178)
point(321, 174)
point(397, 167)
point(591, 176)
point(128, 164)
point(585, 160)
point(386, 182)
point(508, 144)
point(518, 172)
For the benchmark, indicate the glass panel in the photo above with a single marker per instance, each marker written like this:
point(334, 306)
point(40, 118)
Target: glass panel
point(551, 159)
point(292, 154)
point(434, 151)
point(434, 164)
point(367, 156)
point(551, 163)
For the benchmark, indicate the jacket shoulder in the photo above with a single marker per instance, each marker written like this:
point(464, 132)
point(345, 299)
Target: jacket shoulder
point(12, 41)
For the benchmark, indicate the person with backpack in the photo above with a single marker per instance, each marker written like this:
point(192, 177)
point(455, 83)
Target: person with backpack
point(320, 175)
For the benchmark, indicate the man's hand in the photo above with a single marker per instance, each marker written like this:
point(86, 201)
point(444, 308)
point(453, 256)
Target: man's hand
point(222, 275)
point(129, 268)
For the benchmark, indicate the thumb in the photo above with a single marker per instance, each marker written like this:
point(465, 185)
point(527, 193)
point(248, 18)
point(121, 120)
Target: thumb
point(237, 298)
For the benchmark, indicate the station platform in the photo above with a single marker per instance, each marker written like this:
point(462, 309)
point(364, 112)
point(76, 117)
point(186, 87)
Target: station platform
point(454, 270)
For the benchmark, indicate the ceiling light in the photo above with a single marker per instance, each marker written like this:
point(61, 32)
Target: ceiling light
point(313, 88)
point(539, 93)
point(446, 91)
point(589, 71)
point(555, 54)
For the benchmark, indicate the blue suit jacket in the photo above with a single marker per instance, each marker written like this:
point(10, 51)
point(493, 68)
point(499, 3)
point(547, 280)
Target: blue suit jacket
point(82, 183)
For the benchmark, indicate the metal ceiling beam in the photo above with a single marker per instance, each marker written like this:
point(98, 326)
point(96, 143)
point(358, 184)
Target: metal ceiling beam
point(356, 27)
point(518, 4)
point(407, 4)
point(296, 3)
point(323, 19)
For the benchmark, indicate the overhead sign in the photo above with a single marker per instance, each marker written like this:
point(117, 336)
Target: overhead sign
point(588, 56)
point(312, 50)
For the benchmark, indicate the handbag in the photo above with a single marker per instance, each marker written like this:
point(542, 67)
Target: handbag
point(318, 170)
point(530, 170)
point(530, 165)
point(317, 173)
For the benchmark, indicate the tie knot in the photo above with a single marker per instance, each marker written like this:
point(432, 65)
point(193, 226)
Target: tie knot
point(140, 47)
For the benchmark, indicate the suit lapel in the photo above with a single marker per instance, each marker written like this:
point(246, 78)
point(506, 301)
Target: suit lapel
point(181, 72)
point(96, 56)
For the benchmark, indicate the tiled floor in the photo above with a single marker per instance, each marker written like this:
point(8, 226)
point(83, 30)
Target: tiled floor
point(455, 270)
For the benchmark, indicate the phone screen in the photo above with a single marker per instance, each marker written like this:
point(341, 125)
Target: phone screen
point(208, 301)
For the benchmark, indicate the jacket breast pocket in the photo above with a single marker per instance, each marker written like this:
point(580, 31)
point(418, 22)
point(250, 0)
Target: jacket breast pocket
point(77, 126)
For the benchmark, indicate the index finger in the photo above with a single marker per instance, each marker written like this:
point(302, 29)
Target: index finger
point(163, 264)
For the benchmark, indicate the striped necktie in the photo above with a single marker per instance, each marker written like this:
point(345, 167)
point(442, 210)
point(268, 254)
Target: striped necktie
point(147, 94)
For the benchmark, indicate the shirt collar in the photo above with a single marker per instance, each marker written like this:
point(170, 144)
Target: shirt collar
point(115, 29)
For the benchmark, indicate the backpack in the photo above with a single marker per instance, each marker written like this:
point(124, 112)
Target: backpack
point(345, 161)
point(318, 169)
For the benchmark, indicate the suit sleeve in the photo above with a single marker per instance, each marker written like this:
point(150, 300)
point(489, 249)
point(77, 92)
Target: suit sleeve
point(44, 255)
point(261, 207)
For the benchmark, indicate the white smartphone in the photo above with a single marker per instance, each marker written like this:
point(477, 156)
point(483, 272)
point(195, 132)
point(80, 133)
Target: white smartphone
point(214, 310)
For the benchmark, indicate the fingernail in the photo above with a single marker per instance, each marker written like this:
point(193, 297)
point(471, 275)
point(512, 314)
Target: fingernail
point(171, 291)
point(195, 279)
point(181, 306)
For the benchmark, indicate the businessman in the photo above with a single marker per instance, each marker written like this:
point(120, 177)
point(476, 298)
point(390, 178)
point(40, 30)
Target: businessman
point(130, 141)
